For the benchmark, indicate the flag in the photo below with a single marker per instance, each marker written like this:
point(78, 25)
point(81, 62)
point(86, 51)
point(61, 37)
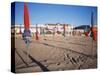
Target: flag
point(27, 33)
point(26, 17)
point(93, 29)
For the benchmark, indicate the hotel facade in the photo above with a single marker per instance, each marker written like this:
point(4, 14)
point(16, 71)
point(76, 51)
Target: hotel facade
point(49, 29)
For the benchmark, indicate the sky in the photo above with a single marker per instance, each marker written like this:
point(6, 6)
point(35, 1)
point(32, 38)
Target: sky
point(40, 13)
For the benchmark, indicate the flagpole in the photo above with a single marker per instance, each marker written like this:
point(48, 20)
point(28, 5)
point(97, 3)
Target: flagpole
point(37, 38)
point(64, 31)
point(27, 32)
point(53, 32)
point(44, 33)
point(27, 47)
point(92, 32)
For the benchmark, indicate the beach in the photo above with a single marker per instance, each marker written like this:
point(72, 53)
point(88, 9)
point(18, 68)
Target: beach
point(55, 53)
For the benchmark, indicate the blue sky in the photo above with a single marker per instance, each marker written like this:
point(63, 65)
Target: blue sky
point(54, 13)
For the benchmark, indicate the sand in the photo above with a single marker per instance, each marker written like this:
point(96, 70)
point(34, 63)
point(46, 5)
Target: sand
point(54, 53)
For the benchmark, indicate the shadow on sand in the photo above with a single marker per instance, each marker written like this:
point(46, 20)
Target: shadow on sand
point(21, 58)
point(78, 44)
point(73, 51)
point(37, 62)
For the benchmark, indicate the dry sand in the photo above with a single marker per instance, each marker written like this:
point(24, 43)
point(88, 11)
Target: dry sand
point(54, 53)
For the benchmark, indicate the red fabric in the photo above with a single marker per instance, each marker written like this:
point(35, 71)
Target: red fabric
point(94, 31)
point(26, 17)
point(37, 37)
point(86, 34)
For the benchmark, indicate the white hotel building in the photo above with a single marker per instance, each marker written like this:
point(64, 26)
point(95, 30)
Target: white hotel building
point(45, 28)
